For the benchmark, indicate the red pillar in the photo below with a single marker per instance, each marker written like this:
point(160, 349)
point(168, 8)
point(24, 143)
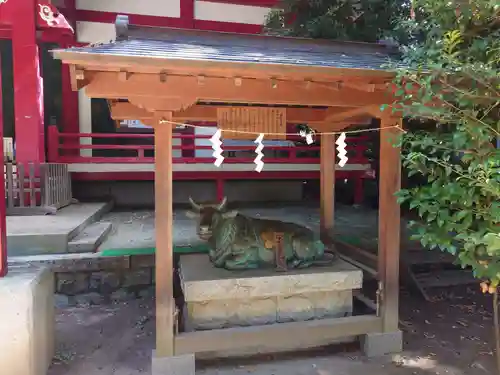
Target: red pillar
point(28, 85)
point(70, 118)
point(3, 227)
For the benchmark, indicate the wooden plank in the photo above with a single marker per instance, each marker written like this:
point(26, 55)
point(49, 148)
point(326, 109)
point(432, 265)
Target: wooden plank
point(9, 175)
point(44, 182)
point(389, 223)
point(164, 237)
point(356, 250)
point(31, 182)
point(327, 182)
point(443, 278)
point(424, 256)
point(366, 300)
point(278, 335)
point(371, 271)
point(20, 180)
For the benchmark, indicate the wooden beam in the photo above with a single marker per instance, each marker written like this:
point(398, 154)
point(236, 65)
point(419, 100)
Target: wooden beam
point(77, 78)
point(214, 89)
point(290, 335)
point(158, 103)
point(389, 222)
point(164, 265)
point(327, 180)
point(152, 65)
point(311, 116)
point(128, 111)
point(366, 111)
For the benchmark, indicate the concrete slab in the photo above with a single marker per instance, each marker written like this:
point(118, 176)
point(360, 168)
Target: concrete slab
point(136, 229)
point(27, 321)
point(32, 235)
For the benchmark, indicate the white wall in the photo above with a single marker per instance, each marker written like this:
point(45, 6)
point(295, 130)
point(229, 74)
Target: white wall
point(207, 11)
point(160, 8)
point(94, 32)
point(206, 153)
point(85, 120)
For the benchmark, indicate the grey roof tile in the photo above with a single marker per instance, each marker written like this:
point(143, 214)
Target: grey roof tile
point(165, 43)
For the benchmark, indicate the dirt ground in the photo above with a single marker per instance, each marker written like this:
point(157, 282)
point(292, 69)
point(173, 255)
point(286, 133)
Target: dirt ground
point(452, 336)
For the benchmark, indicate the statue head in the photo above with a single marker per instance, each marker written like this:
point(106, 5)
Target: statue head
point(208, 216)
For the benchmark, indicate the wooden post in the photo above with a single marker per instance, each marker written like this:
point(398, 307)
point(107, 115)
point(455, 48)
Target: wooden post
point(389, 223)
point(327, 176)
point(164, 237)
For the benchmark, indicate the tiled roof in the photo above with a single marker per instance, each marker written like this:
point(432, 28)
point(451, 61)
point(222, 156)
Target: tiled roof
point(177, 44)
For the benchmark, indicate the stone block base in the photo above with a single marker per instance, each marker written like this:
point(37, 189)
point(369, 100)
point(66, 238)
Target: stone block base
point(379, 344)
point(267, 310)
point(217, 298)
point(27, 321)
point(178, 365)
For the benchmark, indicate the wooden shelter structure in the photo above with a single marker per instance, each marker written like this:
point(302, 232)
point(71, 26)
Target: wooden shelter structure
point(159, 73)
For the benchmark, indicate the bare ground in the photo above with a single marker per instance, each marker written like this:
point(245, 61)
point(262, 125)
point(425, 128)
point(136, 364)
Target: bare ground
point(452, 336)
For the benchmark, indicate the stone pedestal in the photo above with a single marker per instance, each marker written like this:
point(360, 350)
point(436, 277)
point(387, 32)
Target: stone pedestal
point(217, 298)
point(27, 321)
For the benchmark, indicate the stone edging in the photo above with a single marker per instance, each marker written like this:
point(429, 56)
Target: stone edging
point(86, 279)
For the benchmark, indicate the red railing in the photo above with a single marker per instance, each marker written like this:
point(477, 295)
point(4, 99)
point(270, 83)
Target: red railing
point(139, 148)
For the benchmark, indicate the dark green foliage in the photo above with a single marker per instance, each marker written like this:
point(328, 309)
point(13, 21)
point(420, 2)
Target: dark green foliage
point(453, 80)
point(360, 20)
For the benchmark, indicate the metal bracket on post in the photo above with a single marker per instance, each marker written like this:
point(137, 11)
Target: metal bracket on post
point(379, 296)
point(176, 317)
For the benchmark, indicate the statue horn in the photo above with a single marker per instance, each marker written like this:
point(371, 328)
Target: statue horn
point(195, 205)
point(222, 204)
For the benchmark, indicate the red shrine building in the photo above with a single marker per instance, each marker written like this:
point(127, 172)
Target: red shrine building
point(50, 122)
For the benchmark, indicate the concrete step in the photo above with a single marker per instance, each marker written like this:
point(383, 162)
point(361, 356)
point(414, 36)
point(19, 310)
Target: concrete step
point(94, 217)
point(89, 239)
point(50, 234)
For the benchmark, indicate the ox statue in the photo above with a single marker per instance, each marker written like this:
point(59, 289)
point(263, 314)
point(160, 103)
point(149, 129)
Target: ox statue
point(240, 242)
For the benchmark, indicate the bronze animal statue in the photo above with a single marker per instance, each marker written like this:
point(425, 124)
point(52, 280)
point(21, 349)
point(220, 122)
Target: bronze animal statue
point(240, 242)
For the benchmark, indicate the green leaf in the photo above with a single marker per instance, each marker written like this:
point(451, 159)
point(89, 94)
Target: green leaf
point(492, 241)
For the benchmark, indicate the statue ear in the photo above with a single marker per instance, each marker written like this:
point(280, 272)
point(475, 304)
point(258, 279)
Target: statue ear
point(192, 214)
point(229, 214)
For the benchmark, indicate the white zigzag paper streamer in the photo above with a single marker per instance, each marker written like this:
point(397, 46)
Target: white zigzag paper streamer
point(342, 153)
point(259, 164)
point(308, 136)
point(216, 146)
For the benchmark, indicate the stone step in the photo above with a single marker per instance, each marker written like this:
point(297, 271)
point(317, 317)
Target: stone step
point(89, 239)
